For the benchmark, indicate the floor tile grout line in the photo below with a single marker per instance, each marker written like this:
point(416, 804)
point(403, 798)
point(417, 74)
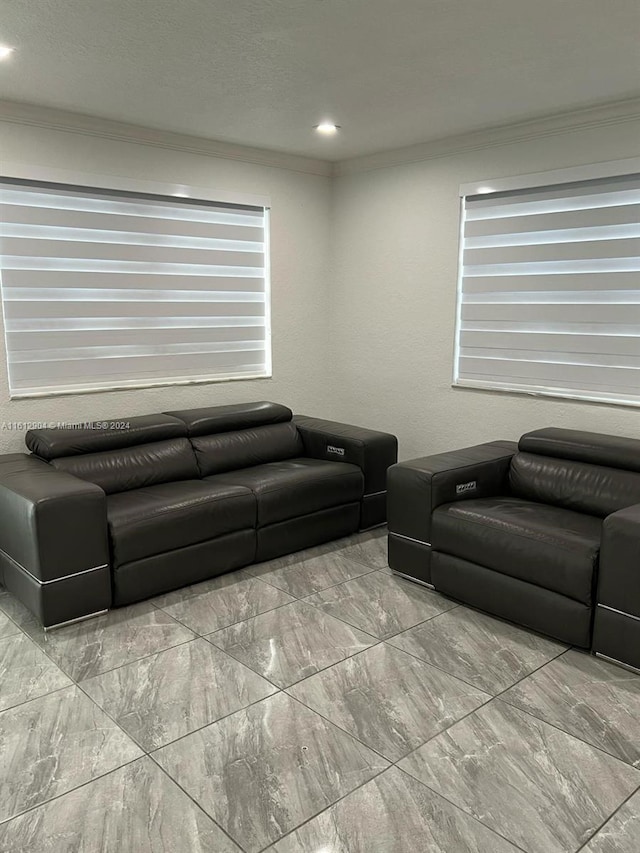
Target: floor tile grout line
point(196, 803)
point(352, 625)
point(534, 716)
point(48, 800)
point(40, 696)
point(459, 677)
point(569, 734)
point(326, 808)
point(322, 589)
point(609, 818)
point(155, 749)
point(305, 677)
point(461, 809)
point(206, 633)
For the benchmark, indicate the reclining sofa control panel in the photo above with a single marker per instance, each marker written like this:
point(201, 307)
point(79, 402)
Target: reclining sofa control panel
point(100, 516)
point(545, 533)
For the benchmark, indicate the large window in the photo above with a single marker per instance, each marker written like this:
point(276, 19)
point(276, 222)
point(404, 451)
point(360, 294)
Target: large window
point(103, 290)
point(549, 290)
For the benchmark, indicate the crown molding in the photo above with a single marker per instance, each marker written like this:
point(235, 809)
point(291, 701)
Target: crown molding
point(612, 113)
point(72, 122)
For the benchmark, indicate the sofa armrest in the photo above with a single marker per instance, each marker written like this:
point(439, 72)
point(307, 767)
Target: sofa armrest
point(418, 486)
point(619, 572)
point(52, 524)
point(373, 452)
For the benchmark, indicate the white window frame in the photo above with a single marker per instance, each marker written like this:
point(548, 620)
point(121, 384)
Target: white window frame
point(91, 181)
point(554, 178)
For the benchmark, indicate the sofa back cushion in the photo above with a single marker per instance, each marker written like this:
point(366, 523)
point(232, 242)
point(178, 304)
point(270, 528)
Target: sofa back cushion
point(222, 419)
point(243, 448)
point(581, 486)
point(107, 434)
point(134, 467)
point(614, 451)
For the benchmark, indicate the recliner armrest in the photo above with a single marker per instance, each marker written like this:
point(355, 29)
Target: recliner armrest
point(373, 452)
point(416, 487)
point(619, 572)
point(52, 524)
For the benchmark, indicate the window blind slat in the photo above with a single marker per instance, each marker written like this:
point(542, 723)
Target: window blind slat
point(101, 288)
point(550, 291)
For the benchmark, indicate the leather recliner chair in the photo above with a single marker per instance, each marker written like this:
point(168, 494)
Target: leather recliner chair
point(545, 533)
point(113, 514)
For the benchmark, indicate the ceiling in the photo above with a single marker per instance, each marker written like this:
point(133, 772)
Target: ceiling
point(262, 72)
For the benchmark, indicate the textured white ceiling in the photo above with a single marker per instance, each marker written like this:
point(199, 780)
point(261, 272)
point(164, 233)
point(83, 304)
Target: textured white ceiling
point(262, 72)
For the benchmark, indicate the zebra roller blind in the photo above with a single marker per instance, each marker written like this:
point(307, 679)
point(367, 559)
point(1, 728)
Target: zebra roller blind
point(104, 290)
point(549, 291)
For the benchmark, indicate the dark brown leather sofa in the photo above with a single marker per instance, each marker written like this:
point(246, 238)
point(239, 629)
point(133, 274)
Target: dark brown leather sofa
point(115, 512)
point(545, 533)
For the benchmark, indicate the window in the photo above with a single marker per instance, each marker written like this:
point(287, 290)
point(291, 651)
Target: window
point(103, 289)
point(549, 289)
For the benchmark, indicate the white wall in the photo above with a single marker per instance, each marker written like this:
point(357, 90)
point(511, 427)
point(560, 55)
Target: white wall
point(394, 293)
point(299, 256)
point(363, 288)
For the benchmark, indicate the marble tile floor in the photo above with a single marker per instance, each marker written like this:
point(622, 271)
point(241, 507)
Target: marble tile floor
point(312, 704)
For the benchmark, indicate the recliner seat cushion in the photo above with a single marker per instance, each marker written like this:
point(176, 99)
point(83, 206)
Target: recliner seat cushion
point(167, 516)
point(296, 487)
point(554, 548)
point(134, 467)
point(244, 448)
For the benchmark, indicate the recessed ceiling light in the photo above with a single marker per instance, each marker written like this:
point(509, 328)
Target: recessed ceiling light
point(326, 128)
point(6, 51)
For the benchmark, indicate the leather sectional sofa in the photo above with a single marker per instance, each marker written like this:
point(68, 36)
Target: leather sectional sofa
point(116, 512)
point(545, 533)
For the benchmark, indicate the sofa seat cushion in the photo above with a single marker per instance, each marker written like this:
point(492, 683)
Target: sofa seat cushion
point(556, 549)
point(161, 518)
point(296, 487)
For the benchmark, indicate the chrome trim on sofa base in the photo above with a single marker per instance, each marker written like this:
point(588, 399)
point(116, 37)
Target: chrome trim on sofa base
point(619, 612)
point(415, 580)
point(40, 582)
point(73, 621)
point(410, 539)
point(617, 662)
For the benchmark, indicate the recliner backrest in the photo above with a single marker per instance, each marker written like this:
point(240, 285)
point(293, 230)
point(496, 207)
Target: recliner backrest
point(243, 448)
point(129, 468)
point(586, 472)
point(119, 454)
point(226, 438)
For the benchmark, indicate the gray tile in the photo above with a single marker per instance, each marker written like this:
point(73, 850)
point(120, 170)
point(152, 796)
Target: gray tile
point(484, 651)
point(172, 693)
point(136, 808)
point(225, 600)
point(622, 833)
point(104, 642)
point(7, 627)
point(291, 642)
point(299, 556)
point(53, 744)
point(537, 786)
point(393, 814)
point(26, 672)
point(380, 604)
point(302, 579)
point(263, 771)
point(10, 606)
point(370, 549)
point(388, 699)
point(589, 698)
